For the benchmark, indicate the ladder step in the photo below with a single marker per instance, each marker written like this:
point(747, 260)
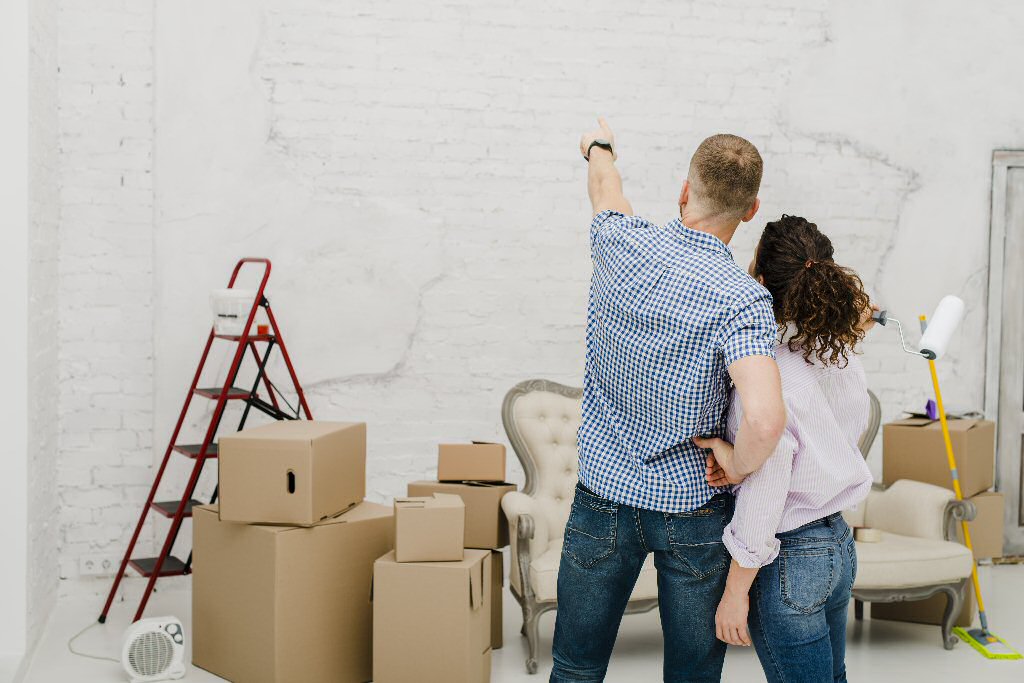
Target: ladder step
point(192, 450)
point(252, 337)
point(167, 508)
point(172, 566)
point(234, 393)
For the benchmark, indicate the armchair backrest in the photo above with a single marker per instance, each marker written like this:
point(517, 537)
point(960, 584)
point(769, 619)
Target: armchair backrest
point(541, 419)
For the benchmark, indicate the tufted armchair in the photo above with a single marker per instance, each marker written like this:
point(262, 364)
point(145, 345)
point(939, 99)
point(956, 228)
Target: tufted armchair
point(541, 419)
point(916, 557)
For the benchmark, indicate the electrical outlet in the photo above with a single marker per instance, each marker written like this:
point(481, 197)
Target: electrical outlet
point(95, 565)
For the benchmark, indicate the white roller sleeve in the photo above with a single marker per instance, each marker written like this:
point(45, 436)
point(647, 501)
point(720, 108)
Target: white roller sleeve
point(942, 325)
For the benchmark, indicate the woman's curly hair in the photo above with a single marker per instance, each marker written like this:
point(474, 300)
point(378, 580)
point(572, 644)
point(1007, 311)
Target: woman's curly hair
point(821, 301)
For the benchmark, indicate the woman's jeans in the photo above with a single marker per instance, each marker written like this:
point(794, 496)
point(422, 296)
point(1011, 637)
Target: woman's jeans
point(605, 546)
point(799, 603)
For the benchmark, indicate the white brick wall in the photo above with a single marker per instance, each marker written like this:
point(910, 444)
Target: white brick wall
point(411, 169)
point(44, 199)
point(105, 266)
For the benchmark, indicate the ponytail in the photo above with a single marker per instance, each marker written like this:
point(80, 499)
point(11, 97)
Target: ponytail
point(821, 301)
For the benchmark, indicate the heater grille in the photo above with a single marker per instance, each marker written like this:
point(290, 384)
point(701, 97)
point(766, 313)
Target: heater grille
point(150, 653)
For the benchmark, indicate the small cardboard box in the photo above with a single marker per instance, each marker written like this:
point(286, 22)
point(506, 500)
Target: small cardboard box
point(497, 614)
point(987, 527)
point(486, 525)
point(292, 472)
point(914, 449)
point(277, 604)
point(477, 461)
point(431, 620)
point(430, 528)
point(928, 611)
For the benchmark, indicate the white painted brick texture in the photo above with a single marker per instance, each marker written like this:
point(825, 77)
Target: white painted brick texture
point(105, 267)
point(411, 169)
point(44, 195)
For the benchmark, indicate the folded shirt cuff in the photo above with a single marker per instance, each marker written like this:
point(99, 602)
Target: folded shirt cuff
point(747, 557)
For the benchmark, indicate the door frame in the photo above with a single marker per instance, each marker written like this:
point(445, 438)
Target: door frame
point(1002, 162)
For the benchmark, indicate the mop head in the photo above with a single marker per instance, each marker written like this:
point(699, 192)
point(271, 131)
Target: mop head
point(988, 644)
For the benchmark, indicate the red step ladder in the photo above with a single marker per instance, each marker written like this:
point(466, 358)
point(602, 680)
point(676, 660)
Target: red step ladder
point(166, 564)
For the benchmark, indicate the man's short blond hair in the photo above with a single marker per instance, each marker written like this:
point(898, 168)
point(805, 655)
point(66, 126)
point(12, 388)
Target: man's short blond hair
point(725, 175)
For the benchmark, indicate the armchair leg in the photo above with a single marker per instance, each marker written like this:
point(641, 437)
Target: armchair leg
point(858, 610)
point(531, 630)
point(954, 602)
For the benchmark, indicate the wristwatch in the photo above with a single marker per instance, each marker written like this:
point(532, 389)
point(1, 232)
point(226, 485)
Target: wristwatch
point(603, 144)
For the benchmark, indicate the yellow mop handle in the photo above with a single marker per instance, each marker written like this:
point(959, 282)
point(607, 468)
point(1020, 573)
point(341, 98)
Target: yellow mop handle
point(956, 482)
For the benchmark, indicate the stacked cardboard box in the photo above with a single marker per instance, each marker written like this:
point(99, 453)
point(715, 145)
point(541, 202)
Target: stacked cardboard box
point(476, 473)
point(437, 597)
point(296, 578)
point(283, 566)
point(914, 448)
point(431, 620)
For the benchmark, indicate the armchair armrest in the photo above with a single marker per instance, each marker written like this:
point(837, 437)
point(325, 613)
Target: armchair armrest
point(533, 530)
point(913, 508)
point(528, 532)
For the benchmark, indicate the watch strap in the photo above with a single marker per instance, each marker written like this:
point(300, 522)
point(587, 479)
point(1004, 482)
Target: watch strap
point(603, 144)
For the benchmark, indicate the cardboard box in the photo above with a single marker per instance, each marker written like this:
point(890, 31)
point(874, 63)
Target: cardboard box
point(486, 525)
point(914, 449)
point(431, 620)
point(292, 472)
point(276, 604)
point(477, 461)
point(987, 527)
point(430, 528)
point(927, 611)
point(497, 613)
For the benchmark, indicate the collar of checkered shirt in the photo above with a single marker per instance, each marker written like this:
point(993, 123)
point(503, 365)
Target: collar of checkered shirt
point(701, 239)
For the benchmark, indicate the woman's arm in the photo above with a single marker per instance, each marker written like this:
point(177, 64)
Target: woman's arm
point(731, 617)
point(750, 536)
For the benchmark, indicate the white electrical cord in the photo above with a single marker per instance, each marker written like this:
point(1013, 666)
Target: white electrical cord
point(73, 651)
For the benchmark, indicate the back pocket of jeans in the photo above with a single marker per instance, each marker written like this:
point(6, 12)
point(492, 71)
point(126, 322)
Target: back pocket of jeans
point(590, 533)
point(806, 575)
point(695, 538)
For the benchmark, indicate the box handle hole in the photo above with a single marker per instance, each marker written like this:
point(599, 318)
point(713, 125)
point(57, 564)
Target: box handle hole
point(291, 481)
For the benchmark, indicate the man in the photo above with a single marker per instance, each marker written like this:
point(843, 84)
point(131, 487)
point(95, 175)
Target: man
point(672, 322)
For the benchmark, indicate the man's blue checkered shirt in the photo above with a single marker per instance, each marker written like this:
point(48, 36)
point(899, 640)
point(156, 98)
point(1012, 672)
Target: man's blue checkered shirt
point(669, 311)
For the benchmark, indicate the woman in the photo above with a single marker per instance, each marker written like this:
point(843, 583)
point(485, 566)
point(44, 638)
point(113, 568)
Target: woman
point(794, 559)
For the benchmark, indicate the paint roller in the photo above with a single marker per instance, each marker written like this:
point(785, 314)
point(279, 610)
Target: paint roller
point(936, 335)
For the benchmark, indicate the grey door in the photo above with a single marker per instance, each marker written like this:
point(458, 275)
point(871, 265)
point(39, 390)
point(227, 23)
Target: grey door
point(1004, 382)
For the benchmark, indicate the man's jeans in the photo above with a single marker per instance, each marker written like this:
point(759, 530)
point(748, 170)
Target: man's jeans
point(605, 546)
point(799, 603)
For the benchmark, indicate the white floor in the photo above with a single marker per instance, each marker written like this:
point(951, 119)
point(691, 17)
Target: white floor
point(878, 650)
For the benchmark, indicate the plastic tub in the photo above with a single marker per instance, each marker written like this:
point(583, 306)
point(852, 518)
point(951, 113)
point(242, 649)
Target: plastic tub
point(230, 309)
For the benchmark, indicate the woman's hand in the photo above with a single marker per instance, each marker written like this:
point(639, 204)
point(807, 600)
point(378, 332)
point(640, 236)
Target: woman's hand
point(731, 618)
point(867, 318)
point(719, 468)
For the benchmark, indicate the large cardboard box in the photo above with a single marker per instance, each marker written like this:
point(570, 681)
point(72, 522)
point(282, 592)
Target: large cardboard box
point(928, 611)
point(277, 604)
point(987, 527)
point(292, 471)
point(430, 528)
point(914, 449)
point(431, 620)
point(477, 461)
point(497, 612)
point(486, 525)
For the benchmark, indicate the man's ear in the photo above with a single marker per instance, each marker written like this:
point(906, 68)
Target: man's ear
point(684, 194)
point(753, 210)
